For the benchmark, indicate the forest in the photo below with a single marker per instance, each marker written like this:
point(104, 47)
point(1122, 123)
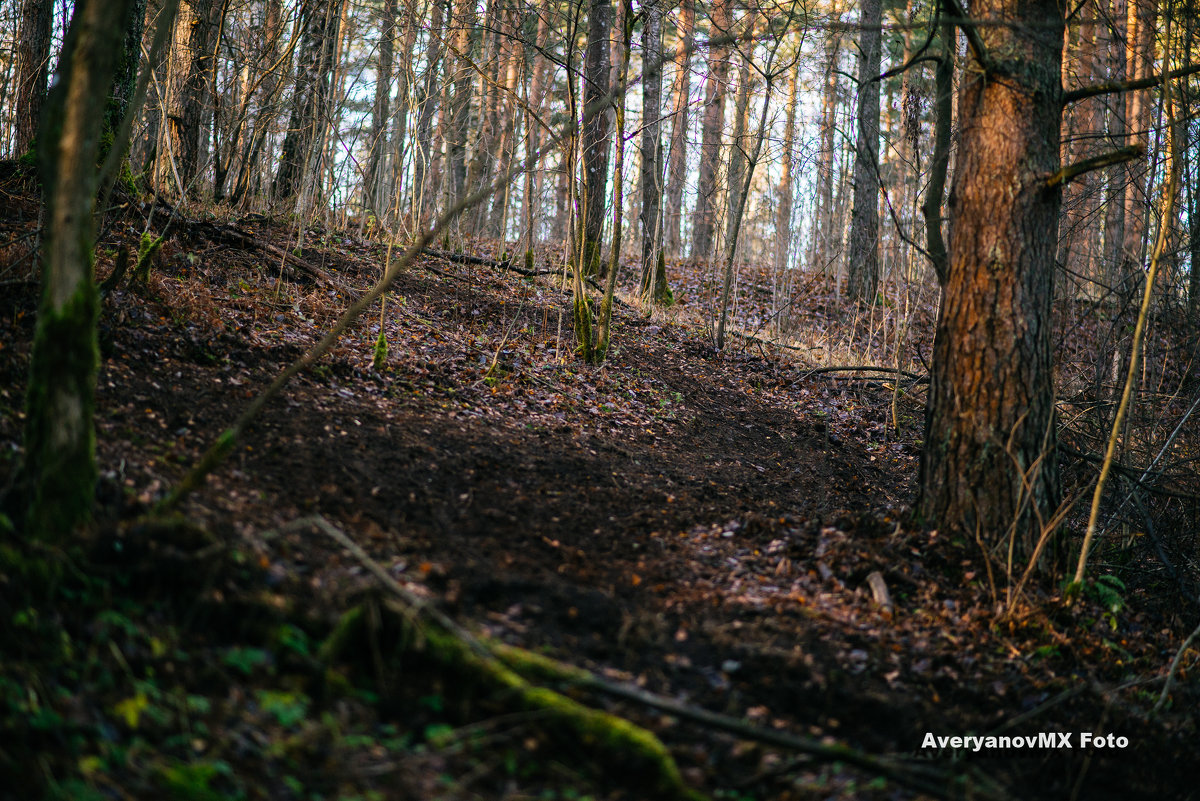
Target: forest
point(599, 399)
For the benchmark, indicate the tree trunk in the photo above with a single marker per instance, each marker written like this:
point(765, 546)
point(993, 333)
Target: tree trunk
point(306, 130)
point(1116, 176)
point(823, 236)
point(535, 97)
point(594, 133)
point(988, 467)
point(59, 471)
point(268, 49)
point(939, 162)
point(1082, 128)
point(739, 151)
point(188, 66)
point(33, 58)
point(381, 111)
point(459, 113)
point(705, 218)
point(424, 180)
point(654, 280)
point(399, 138)
point(863, 257)
point(677, 160)
point(1140, 61)
point(785, 191)
point(506, 146)
point(487, 125)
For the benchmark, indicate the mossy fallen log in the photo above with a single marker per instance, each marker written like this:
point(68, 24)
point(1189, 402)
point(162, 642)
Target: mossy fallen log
point(619, 746)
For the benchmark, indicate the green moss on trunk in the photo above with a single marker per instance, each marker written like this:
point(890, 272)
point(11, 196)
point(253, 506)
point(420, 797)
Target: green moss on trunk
point(60, 439)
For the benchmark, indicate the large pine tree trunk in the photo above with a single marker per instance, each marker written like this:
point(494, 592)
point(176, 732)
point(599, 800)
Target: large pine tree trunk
point(677, 160)
point(989, 462)
point(705, 219)
point(595, 140)
point(863, 256)
point(33, 57)
point(59, 469)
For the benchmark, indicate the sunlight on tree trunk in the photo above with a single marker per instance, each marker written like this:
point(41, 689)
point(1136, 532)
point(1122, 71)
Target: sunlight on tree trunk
point(60, 440)
point(989, 461)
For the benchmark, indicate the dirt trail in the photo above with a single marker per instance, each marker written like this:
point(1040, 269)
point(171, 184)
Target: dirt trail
point(700, 523)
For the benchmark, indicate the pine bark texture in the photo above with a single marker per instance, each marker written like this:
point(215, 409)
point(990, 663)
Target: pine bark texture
point(989, 460)
point(863, 257)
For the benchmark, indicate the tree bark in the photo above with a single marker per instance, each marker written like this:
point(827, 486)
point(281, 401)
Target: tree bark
point(988, 466)
point(59, 471)
point(785, 191)
point(677, 160)
point(188, 65)
point(1115, 177)
point(374, 190)
point(424, 183)
point(595, 139)
point(863, 257)
point(462, 24)
point(939, 163)
point(319, 21)
point(1082, 129)
point(705, 218)
point(535, 97)
point(33, 57)
point(399, 137)
point(1139, 63)
point(506, 146)
point(654, 280)
point(824, 240)
point(738, 147)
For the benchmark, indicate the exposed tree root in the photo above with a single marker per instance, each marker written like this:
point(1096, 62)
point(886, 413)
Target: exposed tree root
point(512, 670)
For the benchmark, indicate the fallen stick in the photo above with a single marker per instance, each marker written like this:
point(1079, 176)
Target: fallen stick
point(531, 665)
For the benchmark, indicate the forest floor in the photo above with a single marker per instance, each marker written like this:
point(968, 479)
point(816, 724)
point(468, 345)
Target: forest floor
point(699, 525)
